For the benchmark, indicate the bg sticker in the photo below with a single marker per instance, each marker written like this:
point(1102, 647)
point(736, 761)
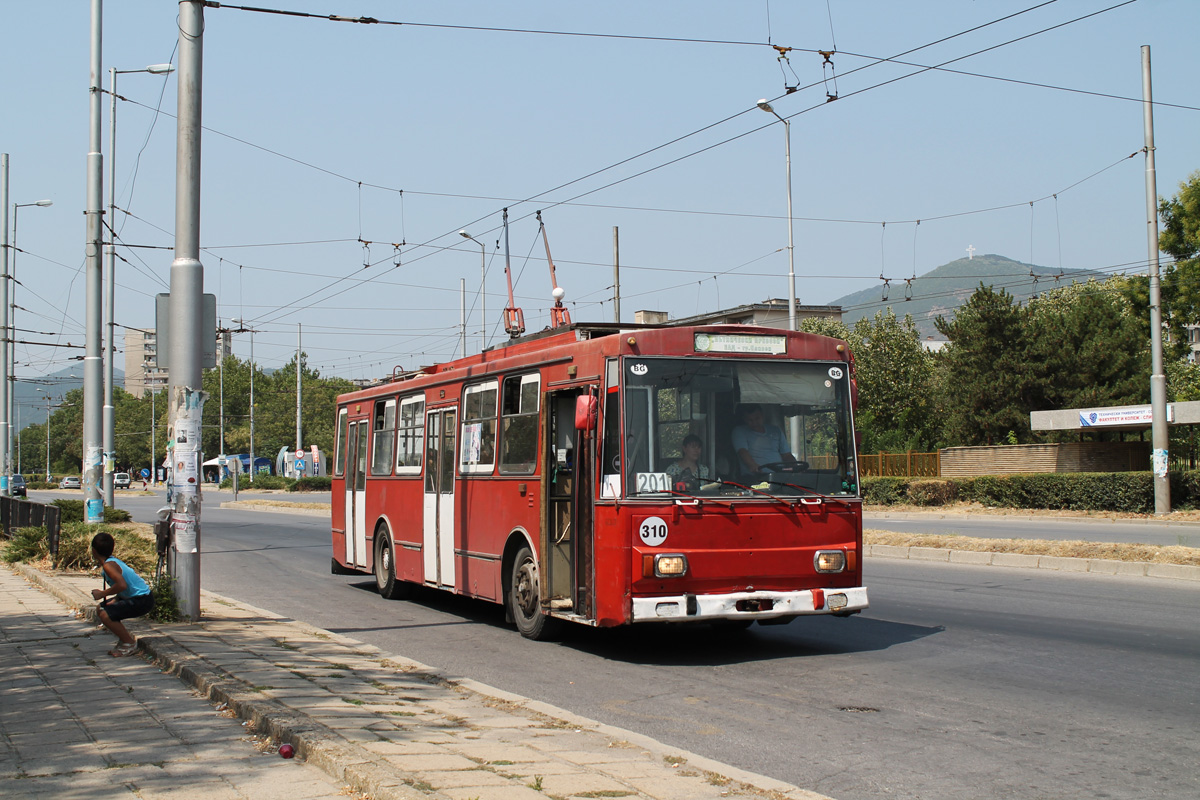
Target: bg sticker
point(835, 373)
point(653, 531)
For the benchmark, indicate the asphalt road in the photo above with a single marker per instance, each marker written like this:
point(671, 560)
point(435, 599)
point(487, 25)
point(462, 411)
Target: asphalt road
point(959, 682)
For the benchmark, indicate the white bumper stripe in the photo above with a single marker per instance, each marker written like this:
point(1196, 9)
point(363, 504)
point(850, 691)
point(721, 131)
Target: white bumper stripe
point(724, 606)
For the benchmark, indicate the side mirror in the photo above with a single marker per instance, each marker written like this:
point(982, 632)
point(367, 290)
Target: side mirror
point(585, 412)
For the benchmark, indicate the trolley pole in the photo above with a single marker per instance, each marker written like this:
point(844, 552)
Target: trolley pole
point(616, 275)
point(1158, 378)
point(93, 376)
point(186, 398)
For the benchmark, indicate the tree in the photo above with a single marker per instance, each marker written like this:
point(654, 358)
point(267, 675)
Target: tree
point(1086, 348)
point(985, 381)
point(895, 376)
point(1180, 239)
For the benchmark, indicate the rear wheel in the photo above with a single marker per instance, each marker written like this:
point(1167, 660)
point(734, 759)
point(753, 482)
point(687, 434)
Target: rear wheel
point(389, 586)
point(524, 599)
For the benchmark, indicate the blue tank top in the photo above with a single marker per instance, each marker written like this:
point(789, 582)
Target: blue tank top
point(134, 585)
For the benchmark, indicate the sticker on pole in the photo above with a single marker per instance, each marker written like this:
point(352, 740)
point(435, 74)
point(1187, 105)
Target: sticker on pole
point(653, 531)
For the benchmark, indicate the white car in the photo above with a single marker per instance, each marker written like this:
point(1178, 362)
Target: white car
point(121, 480)
point(70, 482)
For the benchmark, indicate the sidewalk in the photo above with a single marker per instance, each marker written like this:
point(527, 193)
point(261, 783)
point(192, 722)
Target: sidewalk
point(358, 717)
point(75, 723)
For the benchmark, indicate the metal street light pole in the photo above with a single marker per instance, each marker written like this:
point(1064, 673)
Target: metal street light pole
point(482, 296)
point(186, 399)
point(1159, 433)
point(10, 349)
point(110, 272)
point(787, 134)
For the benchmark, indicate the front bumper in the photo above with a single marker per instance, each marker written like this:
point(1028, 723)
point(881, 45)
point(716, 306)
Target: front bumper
point(749, 605)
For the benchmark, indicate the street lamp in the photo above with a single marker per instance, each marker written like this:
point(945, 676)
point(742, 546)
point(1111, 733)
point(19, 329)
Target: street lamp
point(108, 421)
point(9, 314)
point(482, 297)
point(787, 138)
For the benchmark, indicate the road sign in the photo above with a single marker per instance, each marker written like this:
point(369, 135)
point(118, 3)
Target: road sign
point(145, 472)
point(299, 465)
point(299, 454)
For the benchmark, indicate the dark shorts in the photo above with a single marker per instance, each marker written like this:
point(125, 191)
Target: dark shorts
point(129, 607)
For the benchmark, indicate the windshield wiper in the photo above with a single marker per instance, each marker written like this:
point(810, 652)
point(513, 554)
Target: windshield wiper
point(813, 492)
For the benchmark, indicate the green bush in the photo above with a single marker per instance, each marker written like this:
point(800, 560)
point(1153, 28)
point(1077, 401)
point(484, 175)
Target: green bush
point(260, 482)
point(26, 544)
point(72, 511)
point(166, 604)
point(885, 491)
point(932, 492)
point(319, 483)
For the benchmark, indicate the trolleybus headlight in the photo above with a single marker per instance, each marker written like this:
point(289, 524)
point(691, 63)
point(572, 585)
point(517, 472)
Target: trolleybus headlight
point(670, 565)
point(829, 561)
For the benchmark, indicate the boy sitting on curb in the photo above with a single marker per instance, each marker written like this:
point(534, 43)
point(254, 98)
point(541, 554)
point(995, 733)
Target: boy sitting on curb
point(133, 597)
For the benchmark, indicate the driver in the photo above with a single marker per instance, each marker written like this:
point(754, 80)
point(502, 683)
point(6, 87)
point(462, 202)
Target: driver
point(758, 443)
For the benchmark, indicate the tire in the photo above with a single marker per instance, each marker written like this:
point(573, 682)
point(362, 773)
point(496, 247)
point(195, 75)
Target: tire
point(524, 602)
point(390, 588)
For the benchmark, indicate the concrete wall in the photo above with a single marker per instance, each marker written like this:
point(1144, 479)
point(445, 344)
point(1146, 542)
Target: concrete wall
point(962, 462)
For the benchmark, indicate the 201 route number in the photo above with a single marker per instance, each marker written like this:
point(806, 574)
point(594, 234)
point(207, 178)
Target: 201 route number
point(653, 531)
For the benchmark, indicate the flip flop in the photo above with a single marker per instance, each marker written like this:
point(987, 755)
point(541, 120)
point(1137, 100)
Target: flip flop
point(123, 649)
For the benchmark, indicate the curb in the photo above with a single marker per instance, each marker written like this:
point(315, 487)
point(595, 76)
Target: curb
point(345, 761)
point(1098, 566)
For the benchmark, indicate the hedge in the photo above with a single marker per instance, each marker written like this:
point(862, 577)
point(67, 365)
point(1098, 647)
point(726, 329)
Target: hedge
point(316, 483)
point(1074, 491)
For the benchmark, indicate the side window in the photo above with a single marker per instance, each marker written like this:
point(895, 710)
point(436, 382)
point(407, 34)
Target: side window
point(410, 436)
point(519, 405)
point(477, 455)
point(383, 436)
point(339, 451)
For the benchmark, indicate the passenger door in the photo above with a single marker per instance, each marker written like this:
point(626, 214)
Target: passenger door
point(438, 541)
point(356, 495)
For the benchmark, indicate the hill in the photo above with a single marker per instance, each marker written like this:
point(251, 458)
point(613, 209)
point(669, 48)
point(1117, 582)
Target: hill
point(29, 394)
point(942, 290)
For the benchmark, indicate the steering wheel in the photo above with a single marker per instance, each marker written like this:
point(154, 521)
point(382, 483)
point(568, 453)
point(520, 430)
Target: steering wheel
point(784, 466)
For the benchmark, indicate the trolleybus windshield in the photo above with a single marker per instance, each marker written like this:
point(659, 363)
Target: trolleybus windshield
point(794, 416)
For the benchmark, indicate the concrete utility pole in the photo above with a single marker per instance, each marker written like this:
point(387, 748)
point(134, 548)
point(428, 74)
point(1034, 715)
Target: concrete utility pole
point(186, 399)
point(4, 468)
point(93, 361)
point(299, 369)
point(1158, 378)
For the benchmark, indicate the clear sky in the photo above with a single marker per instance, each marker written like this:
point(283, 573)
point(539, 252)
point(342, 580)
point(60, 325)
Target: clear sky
point(322, 134)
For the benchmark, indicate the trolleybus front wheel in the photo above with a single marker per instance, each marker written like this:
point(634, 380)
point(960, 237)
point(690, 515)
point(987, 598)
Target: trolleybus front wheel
point(390, 587)
point(524, 602)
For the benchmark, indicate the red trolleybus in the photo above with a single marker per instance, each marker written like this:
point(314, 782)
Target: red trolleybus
point(551, 474)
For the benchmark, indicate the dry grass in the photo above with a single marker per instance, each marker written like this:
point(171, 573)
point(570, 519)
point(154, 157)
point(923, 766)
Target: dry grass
point(283, 504)
point(975, 509)
point(1041, 547)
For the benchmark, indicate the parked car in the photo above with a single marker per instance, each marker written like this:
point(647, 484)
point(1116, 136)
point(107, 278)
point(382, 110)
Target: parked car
point(70, 482)
point(121, 480)
point(16, 486)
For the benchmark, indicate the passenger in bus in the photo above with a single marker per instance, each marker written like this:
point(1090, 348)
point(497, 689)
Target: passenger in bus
point(688, 470)
point(756, 442)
